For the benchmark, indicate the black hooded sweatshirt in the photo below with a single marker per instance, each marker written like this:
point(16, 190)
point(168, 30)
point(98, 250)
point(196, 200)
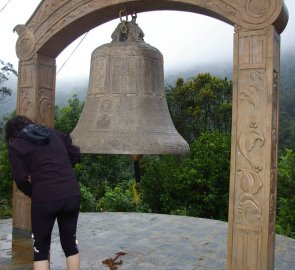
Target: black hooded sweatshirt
point(41, 161)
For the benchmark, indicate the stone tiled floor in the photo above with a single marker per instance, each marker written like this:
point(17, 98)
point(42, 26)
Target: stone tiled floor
point(148, 242)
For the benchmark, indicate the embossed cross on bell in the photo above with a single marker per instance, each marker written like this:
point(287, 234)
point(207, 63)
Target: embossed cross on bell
point(126, 110)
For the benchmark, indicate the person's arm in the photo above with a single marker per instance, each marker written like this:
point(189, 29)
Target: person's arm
point(73, 150)
point(20, 172)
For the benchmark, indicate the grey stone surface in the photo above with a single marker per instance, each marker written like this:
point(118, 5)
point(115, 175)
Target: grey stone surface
point(150, 241)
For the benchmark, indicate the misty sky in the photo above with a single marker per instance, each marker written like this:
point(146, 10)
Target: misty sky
point(185, 39)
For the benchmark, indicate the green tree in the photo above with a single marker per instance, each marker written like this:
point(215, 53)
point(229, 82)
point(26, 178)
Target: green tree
point(5, 183)
point(5, 71)
point(66, 118)
point(200, 104)
point(287, 120)
point(285, 223)
point(196, 184)
point(5, 174)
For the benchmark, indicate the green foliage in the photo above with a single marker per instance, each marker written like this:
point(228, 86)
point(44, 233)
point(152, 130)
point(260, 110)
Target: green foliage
point(6, 183)
point(5, 209)
point(100, 171)
point(88, 202)
point(5, 173)
point(196, 184)
point(122, 198)
point(5, 70)
point(200, 104)
point(285, 223)
point(66, 118)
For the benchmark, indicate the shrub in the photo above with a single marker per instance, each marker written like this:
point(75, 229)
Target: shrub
point(122, 198)
point(88, 202)
point(5, 209)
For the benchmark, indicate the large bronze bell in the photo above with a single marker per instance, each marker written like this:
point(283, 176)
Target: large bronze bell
point(126, 110)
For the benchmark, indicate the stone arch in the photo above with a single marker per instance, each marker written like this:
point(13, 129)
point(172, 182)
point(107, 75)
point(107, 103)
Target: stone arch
point(258, 24)
point(55, 24)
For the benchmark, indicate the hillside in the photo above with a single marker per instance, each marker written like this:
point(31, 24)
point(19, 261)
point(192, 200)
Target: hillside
point(288, 71)
point(65, 89)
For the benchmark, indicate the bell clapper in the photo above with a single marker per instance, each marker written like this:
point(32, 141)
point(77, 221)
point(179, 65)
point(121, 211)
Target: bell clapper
point(136, 164)
point(136, 185)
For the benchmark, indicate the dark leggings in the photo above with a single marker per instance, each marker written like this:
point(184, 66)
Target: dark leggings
point(44, 215)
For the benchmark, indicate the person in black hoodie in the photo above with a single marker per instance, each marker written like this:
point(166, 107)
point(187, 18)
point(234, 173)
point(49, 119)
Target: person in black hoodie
point(42, 161)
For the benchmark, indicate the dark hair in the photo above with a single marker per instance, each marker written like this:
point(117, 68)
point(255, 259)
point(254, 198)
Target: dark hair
point(15, 125)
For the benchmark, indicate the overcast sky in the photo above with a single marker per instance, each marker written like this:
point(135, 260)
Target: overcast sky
point(185, 39)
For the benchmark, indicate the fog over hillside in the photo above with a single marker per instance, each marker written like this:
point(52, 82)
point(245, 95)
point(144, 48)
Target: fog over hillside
point(65, 89)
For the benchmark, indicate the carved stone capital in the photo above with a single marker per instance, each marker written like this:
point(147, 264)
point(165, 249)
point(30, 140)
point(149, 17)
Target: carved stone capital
point(25, 44)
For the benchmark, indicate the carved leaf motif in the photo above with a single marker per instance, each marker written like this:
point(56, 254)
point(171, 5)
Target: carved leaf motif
point(26, 106)
point(251, 207)
point(247, 141)
point(45, 105)
point(250, 181)
point(252, 95)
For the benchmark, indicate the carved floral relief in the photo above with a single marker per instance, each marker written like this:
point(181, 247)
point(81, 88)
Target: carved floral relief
point(26, 102)
point(274, 152)
point(25, 98)
point(45, 105)
point(251, 138)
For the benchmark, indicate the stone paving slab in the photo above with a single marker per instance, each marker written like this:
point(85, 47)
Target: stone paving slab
point(149, 242)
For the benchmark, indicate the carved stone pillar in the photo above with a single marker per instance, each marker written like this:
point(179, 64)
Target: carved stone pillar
point(254, 150)
point(36, 94)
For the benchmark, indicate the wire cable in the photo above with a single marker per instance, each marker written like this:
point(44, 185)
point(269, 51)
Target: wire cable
point(72, 53)
point(5, 6)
